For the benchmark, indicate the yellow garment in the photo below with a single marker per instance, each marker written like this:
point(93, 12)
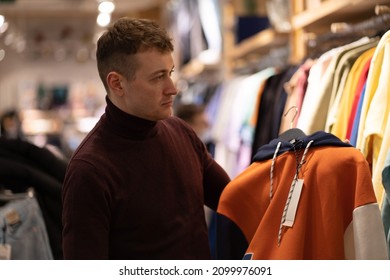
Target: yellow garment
point(339, 128)
point(380, 108)
point(374, 117)
point(317, 99)
point(340, 79)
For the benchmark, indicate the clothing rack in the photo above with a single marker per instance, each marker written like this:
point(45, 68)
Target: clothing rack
point(276, 57)
point(342, 33)
point(368, 27)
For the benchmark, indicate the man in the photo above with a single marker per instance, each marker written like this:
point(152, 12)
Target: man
point(136, 185)
point(195, 115)
point(10, 125)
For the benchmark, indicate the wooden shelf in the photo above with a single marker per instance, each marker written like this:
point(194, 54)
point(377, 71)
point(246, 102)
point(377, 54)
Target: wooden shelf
point(196, 69)
point(316, 20)
point(331, 11)
point(260, 43)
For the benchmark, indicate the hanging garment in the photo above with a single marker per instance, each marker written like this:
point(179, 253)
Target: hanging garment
point(23, 231)
point(341, 99)
point(24, 165)
point(356, 119)
point(270, 110)
point(240, 130)
point(374, 128)
point(321, 81)
point(18, 176)
point(359, 88)
point(41, 158)
point(186, 26)
point(221, 122)
point(295, 89)
point(335, 215)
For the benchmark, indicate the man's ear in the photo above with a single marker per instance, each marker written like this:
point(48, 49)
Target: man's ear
point(114, 82)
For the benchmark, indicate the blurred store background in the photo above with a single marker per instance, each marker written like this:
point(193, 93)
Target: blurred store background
point(47, 52)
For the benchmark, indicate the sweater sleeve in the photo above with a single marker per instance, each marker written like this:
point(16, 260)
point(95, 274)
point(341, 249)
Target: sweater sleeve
point(368, 234)
point(86, 213)
point(214, 181)
point(215, 177)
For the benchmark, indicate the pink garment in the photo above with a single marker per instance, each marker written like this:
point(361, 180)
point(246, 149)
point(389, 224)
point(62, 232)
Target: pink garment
point(295, 88)
point(302, 85)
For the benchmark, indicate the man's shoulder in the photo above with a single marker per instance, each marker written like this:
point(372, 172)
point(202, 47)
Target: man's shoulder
point(91, 148)
point(175, 123)
point(173, 120)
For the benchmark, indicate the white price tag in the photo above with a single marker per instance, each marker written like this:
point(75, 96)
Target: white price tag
point(292, 207)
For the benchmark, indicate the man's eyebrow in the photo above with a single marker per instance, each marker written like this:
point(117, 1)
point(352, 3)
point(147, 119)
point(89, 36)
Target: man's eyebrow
point(162, 71)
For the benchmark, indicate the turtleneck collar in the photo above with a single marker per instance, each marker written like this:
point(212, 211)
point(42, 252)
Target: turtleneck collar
point(127, 125)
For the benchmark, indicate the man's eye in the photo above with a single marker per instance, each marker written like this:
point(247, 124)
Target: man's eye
point(160, 77)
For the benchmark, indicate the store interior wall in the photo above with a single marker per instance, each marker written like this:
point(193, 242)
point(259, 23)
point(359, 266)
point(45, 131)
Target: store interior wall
point(48, 72)
point(255, 57)
point(18, 72)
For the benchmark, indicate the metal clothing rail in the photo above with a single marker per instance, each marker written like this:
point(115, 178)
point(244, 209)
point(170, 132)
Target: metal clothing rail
point(368, 27)
point(343, 33)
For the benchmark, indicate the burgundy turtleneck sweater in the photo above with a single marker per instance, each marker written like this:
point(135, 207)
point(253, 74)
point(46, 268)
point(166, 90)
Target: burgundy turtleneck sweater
point(135, 189)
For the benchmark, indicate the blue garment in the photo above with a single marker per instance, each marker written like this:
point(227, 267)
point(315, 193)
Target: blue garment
point(23, 228)
point(356, 120)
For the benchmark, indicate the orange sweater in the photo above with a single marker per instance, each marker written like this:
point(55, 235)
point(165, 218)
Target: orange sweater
point(337, 216)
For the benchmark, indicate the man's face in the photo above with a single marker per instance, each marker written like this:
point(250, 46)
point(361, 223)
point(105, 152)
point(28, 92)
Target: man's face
point(150, 94)
point(11, 127)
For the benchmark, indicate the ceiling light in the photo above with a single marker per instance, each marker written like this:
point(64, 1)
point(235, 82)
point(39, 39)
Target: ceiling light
point(106, 7)
point(4, 27)
point(103, 19)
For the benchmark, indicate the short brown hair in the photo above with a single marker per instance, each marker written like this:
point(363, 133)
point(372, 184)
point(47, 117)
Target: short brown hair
point(127, 37)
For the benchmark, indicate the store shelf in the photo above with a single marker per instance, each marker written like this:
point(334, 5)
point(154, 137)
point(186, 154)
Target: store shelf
point(315, 20)
point(196, 70)
point(261, 43)
point(332, 11)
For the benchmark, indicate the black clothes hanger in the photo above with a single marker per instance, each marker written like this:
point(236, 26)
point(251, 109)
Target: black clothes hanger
point(292, 134)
